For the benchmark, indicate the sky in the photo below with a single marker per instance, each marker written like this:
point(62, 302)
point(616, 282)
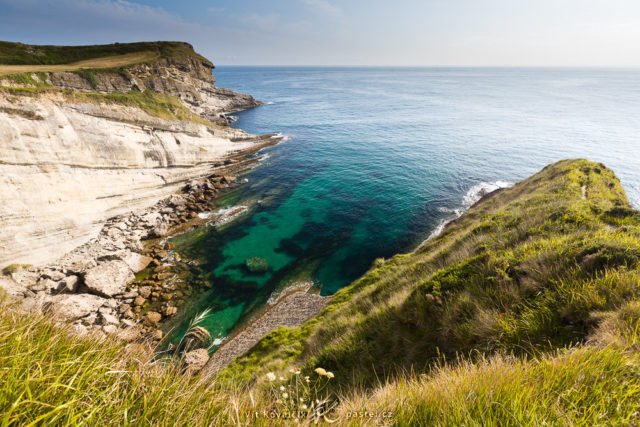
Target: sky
point(599, 33)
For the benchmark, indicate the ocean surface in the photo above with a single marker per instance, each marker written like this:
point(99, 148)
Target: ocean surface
point(376, 159)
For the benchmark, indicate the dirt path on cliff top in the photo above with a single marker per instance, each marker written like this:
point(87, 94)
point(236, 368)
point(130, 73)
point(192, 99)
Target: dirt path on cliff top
point(95, 63)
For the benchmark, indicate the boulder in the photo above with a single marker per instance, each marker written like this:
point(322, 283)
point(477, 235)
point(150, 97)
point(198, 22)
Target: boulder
point(44, 285)
point(109, 278)
point(54, 275)
point(154, 317)
point(134, 260)
point(195, 360)
point(74, 306)
point(68, 284)
point(12, 288)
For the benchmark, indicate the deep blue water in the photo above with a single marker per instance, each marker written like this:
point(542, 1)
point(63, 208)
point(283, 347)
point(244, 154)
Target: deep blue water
point(377, 158)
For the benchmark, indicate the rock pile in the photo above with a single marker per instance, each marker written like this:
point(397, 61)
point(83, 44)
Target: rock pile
point(94, 286)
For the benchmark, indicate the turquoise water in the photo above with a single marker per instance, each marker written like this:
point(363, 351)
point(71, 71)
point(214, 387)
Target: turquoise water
point(377, 158)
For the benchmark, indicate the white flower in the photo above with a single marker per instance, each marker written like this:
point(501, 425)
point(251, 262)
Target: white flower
point(271, 376)
point(330, 375)
point(304, 407)
point(285, 395)
point(281, 388)
point(281, 378)
point(320, 371)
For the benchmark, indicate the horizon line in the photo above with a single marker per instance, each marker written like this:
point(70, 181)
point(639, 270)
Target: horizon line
point(602, 67)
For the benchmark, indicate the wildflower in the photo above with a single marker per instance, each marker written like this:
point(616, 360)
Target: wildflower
point(304, 407)
point(307, 379)
point(285, 395)
point(278, 401)
point(321, 372)
point(271, 376)
point(281, 378)
point(281, 388)
point(330, 375)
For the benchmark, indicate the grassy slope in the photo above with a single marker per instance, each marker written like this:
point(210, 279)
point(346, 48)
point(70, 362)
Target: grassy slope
point(528, 270)
point(509, 286)
point(23, 54)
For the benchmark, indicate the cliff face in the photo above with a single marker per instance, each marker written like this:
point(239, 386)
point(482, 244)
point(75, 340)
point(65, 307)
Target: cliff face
point(78, 148)
point(189, 79)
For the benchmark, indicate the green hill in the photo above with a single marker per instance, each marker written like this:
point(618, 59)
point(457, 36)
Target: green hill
point(523, 312)
point(23, 54)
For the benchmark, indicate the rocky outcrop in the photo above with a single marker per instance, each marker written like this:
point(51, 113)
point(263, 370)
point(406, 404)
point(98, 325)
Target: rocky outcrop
point(66, 166)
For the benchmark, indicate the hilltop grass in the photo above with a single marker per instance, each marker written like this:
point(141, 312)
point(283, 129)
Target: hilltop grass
point(23, 54)
point(526, 271)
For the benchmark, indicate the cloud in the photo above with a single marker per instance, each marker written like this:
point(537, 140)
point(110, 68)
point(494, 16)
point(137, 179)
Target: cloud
point(326, 7)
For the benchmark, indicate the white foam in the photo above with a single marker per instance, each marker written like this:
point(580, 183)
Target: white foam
point(472, 197)
point(283, 137)
point(219, 341)
point(480, 190)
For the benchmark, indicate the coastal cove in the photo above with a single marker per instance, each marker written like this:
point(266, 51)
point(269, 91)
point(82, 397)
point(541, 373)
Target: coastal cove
point(377, 159)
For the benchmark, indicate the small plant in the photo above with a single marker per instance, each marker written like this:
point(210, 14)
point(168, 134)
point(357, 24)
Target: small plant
point(301, 397)
point(257, 265)
point(90, 76)
point(10, 269)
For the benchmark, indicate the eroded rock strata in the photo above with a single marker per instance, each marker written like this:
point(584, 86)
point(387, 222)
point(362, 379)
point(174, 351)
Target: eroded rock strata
point(95, 174)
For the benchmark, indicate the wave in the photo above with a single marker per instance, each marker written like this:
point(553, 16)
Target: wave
point(283, 137)
point(480, 190)
point(472, 197)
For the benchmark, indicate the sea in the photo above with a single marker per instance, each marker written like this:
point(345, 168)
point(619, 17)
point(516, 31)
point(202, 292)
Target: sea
point(375, 160)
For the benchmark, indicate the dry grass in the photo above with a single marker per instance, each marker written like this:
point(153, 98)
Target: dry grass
point(107, 62)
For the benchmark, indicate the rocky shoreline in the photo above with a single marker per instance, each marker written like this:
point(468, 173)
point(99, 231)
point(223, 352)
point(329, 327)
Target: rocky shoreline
point(123, 282)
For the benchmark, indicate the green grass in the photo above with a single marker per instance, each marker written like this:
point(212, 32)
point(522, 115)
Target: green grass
point(12, 268)
point(579, 387)
point(22, 54)
point(50, 377)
